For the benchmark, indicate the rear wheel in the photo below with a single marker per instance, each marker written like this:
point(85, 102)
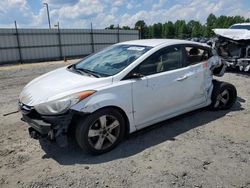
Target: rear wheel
point(101, 131)
point(223, 96)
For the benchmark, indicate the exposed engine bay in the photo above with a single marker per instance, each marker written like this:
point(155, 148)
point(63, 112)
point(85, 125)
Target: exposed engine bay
point(233, 46)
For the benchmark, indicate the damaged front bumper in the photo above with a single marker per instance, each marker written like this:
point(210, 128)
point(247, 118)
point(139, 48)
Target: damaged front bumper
point(233, 46)
point(50, 127)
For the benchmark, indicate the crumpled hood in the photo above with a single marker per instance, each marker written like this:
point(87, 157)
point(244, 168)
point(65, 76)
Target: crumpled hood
point(57, 84)
point(235, 34)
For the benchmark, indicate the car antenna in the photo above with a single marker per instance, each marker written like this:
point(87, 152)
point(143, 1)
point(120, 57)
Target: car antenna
point(14, 112)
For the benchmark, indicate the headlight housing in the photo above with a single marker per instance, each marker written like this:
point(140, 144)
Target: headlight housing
point(61, 105)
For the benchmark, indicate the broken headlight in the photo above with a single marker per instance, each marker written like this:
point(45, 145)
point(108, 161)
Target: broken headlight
point(61, 105)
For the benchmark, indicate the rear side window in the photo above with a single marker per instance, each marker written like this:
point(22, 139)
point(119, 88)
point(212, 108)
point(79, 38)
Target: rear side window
point(240, 27)
point(196, 55)
point(166, 59)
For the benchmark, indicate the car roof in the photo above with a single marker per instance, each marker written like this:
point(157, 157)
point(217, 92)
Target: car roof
point(157, 42)
point(242, 24)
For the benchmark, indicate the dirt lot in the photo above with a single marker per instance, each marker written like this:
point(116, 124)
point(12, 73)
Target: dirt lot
point(198, 149)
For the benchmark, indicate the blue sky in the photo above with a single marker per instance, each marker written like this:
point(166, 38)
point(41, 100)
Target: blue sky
point(102, 13)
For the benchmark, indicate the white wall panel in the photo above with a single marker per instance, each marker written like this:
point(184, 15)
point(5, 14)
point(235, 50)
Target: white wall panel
point(43, 44)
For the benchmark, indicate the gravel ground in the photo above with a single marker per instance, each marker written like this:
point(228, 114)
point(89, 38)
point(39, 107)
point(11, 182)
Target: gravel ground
point(198, 149)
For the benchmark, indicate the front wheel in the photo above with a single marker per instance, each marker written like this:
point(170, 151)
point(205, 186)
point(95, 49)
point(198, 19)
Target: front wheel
point(101, 131)
point(223, 96)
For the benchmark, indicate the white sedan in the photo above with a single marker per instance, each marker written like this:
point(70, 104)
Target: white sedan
point(121, 89)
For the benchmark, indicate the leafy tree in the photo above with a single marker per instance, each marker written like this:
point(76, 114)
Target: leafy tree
point(157, 30)
point(210, 24)
point(141, 26)
point(168, 30)
point(221, 22)
point(181, 29)
point(197, 30)
point(150, 32)
point(126, 27)
point(190, 26)
point(111, 27)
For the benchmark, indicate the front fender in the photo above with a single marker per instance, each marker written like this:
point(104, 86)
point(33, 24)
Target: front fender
point(118, 96)
point(100, 101)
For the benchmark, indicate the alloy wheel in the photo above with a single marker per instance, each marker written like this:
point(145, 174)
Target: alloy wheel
point(222, 99)
point(104, 132)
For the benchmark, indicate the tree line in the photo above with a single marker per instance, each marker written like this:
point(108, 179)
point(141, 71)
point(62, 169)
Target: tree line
point(182, 29)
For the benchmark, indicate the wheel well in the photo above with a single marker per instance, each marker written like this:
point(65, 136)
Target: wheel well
point(124, 115)
point(81, 115)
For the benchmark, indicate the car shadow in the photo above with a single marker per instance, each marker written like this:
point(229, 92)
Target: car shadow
point(138, 141)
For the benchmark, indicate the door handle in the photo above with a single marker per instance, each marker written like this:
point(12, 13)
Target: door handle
point(182, 78)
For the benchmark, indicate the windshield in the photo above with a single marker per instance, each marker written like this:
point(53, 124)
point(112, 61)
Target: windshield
point(111, 60)
point(240, 27)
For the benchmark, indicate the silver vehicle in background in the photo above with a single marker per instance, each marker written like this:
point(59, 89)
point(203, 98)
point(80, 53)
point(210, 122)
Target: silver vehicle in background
point(233, 45)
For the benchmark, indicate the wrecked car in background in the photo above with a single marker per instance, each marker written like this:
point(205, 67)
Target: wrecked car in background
point(124, 88)
point(233, 45)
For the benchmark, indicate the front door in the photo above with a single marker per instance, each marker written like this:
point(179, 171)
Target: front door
point(166, 88)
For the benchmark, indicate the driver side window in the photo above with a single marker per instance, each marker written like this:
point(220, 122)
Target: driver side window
point(166, 59)
point(196, 55)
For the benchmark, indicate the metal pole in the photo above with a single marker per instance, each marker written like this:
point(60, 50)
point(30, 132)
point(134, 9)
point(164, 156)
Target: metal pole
point(47, 6)
point(92, 39)
point(118, 34)
point(18, 44)
point(140, 32)
point(59, 40)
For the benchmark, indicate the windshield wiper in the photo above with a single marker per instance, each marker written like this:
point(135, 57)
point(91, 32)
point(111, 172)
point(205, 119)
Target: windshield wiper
point(89, 72)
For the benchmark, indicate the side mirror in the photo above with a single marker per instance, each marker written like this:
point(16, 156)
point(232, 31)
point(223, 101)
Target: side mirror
point(135, 75)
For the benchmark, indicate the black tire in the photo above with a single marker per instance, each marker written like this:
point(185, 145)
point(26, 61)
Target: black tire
point(89, 122)
point(223, 96)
